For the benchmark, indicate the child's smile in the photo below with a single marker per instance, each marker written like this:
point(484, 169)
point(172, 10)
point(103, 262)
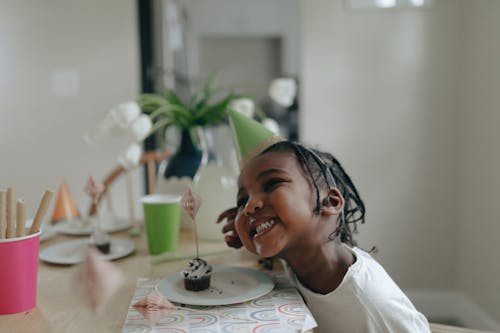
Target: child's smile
point(260, 229)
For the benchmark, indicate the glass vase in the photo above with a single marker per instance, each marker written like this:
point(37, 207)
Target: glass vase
point(216, 180)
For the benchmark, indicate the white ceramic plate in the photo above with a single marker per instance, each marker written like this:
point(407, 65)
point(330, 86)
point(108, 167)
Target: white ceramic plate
point(84, 227)
point(72, 252)
point(229, 285)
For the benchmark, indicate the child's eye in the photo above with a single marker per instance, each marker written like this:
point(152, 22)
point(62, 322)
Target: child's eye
point(241, 202)
point(270, 184)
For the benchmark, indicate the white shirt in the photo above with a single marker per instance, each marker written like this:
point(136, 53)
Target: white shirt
point(366, 301)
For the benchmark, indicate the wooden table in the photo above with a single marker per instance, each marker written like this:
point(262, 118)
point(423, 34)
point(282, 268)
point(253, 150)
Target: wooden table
point(59, 310)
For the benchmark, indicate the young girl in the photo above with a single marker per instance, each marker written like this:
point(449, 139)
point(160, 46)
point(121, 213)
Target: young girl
point(298, 204)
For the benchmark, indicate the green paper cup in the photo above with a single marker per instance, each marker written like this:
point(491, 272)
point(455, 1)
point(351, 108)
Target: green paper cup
point(162, 214)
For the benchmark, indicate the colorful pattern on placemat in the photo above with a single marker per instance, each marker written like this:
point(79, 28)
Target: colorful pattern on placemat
point(281, 310)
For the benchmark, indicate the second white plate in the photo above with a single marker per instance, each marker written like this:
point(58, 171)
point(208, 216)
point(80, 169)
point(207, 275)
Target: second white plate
point(82, 227)
point(46, 233)
point(72, 252)
point(229, 285)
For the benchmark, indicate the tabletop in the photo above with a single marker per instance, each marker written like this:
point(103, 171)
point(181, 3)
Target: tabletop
point(60, 310)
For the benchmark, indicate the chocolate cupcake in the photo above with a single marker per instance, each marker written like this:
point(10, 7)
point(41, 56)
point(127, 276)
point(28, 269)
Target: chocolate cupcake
point(101, 241)
point(197, 275)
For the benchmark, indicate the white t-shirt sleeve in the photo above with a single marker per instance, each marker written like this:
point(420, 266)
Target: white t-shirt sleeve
point(396, 316)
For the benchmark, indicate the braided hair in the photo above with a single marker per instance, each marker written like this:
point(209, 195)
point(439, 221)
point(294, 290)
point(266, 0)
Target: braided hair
point(326, 172)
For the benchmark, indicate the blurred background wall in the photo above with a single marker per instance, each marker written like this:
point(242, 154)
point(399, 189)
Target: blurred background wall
point(63, 65)
point(479, 156)
point(380, 91)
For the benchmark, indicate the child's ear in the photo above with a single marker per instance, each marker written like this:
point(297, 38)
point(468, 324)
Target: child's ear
point(333, 203)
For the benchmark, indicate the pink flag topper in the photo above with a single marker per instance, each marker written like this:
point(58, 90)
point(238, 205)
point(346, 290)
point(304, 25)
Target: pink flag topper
point(97, 280)
point(94, 188)
point(154, 306)
point(191, 202)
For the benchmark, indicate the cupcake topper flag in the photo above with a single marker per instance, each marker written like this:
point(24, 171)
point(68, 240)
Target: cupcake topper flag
point(154, 306)
point(96, 280)
point(94, 190)
point(191, 202)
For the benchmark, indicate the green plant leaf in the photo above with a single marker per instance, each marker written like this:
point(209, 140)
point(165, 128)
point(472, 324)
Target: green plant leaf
point(200, 100)
point(173, 99)
point(150, 102)
point(210, 84)
point(160, 111)
point(181, 116)
point(152, 97)
point(213, 114)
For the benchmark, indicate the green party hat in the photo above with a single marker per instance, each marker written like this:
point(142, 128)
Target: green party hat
point(250, 137)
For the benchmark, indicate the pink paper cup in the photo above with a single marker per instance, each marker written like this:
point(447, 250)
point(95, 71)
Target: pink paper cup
point(18, 273)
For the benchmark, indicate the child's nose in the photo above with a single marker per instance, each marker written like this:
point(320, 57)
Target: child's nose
point(253, 205)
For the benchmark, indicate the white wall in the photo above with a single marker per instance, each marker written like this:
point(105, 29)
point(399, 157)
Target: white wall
point(40, 129)
point(379, 90)
point(245, 60)
point(242, 18)
point(479, 181)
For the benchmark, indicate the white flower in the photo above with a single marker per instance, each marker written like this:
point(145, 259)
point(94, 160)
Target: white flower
point(283, 91)
point(140, 127)
point(124, 114)
point(244, 106)
point(271, 125)
point(117, 122)
point(130, 157)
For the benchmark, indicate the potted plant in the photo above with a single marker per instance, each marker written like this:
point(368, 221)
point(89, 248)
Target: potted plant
point(204, 108)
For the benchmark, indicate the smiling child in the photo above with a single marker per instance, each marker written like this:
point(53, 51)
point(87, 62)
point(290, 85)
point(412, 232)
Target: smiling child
point(298, 204)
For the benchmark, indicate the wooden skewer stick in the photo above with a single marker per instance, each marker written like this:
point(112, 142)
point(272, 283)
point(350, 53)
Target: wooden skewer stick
point(40, 212)
point(20, 218)
point(151, 176)
point(130, 193)
point(3, 225)
point(9, 214)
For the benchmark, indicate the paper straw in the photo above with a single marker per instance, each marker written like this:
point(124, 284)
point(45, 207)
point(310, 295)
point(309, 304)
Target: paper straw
point(11, 229)
point(3, 226)
point(20, 218)
point(40, 212)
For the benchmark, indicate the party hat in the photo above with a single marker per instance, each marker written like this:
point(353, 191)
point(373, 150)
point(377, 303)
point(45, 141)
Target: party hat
point(64, 207)
point(250, 137)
